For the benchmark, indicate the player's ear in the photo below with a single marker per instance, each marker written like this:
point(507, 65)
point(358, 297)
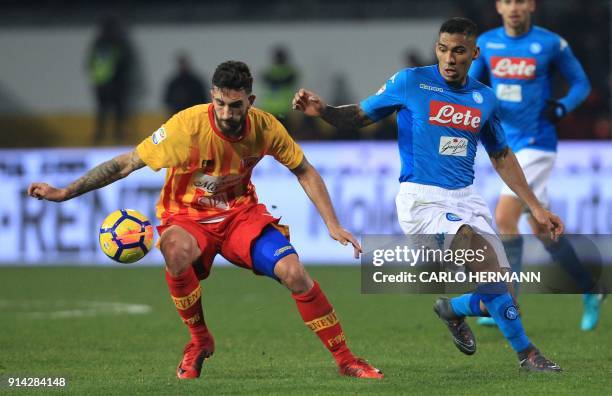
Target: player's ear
point(532, 6)
point(251, 99)
point(476, 53)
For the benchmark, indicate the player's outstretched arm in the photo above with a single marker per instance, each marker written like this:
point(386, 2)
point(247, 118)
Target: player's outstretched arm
point(314, 186)
point(343, 117)
point(100, 176)
point(508, 168)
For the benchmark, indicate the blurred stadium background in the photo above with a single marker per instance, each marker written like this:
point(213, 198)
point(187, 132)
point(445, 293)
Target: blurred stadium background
point(52, 72)
point(344, 50)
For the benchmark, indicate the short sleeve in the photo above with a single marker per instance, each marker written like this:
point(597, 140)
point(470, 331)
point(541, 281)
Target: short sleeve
point(492, 135)
point(389, 98)
point(167, 147)
point(282, 146)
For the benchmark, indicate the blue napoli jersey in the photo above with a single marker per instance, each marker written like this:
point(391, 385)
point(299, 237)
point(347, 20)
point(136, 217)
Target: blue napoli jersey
point(520, 71)
point(438, 125)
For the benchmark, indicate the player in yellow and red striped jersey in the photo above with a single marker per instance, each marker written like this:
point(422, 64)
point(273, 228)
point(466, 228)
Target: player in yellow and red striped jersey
point(208, 206)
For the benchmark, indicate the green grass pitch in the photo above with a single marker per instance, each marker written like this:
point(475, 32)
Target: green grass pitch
point(51, 324)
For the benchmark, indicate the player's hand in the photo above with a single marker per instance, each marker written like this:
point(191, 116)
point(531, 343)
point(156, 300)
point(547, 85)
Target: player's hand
point(554, 111)
point(345, 237)
point(47, 192)
point(309, 103)
point(550, 221)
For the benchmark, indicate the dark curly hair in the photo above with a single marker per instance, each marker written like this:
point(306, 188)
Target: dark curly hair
point(233, 75)
point(460, 25)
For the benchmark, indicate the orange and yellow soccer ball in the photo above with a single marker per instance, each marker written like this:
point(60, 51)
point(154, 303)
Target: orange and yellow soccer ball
point(126, 236)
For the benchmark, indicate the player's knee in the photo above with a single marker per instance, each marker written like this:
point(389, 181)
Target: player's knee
point(293, 274)
point(507, 215)
point(178, 252)
point(463, 238)
point(505, 223)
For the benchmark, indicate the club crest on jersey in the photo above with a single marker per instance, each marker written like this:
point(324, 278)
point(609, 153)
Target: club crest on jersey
point(248, 162)
point(453, 115)
point(513, 68)
point(477, 96)
point(158, 136)
point(535, 48)
point(207, 166)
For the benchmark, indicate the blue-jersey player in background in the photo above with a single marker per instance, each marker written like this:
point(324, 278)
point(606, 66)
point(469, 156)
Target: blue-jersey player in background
point(441, 115)
point(519, 59)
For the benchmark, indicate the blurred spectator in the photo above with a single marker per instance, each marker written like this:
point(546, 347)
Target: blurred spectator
point(108, 63)
point(185, 88)
point(280, 81)
point(412, 58)
point(586, 26)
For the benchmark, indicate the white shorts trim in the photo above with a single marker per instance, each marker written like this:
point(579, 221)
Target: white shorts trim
point(537, 166)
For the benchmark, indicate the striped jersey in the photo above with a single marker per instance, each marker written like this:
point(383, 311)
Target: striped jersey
point(209, 174)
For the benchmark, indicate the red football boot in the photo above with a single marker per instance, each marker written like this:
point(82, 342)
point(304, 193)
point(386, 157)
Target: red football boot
point(359, 368)
point(193, 358)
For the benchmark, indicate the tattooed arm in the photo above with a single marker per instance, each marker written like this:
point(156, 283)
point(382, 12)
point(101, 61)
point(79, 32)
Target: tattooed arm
point(100, 176)
point(342, 117)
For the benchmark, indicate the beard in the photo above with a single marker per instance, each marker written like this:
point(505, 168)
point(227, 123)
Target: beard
point(230, 127)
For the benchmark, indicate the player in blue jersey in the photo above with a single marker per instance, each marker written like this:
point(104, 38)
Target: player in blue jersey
point(441, 115)
point(519, 59)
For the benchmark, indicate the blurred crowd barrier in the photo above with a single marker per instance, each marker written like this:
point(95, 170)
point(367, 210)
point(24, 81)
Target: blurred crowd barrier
point(47, 97)
point(362, 178)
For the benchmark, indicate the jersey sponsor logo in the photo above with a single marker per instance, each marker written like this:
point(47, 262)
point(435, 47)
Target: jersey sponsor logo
point(495, 45)
point(219, 201)
point(158, 136)
point(514, 68)
point(509, 92)
point(452, 145)
point(454, 116)
point(430, 88)
point(212, 184)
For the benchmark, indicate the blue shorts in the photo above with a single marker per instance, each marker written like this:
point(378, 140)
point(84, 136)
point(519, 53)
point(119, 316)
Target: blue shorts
point(268, 249)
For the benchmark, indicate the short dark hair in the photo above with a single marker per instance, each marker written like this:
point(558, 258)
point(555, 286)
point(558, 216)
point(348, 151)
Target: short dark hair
point(233, 75)
point(460, 25)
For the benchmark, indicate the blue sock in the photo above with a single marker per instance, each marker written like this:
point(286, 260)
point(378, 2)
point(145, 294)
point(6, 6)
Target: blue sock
point(514, 251)
point(563, 253)
point(466, 305)
point(502, 309)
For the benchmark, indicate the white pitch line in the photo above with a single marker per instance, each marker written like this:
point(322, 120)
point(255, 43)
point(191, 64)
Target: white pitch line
point(80, 309)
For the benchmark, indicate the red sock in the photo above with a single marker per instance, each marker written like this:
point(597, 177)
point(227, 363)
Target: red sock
point(187, 296)
point(320, 317)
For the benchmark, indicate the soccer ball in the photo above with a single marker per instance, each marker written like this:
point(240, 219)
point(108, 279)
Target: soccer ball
point(126, 236)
